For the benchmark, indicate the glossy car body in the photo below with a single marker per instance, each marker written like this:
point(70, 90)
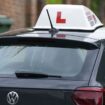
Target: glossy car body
point(59, 88)
point(53, 66)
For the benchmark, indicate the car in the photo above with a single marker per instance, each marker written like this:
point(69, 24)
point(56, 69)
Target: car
point(60, 61)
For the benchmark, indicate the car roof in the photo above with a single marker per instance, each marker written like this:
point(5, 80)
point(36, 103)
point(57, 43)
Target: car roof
point(90, 37)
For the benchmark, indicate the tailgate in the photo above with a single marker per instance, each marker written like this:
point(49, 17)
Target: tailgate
point(60, 94)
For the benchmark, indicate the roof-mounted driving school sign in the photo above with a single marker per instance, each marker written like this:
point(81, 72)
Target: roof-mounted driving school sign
point(74, 17)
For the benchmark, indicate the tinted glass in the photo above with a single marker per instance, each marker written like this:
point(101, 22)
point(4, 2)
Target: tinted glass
point(66, 62)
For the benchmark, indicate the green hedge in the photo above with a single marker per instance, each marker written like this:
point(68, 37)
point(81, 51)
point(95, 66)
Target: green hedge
point(95, 6)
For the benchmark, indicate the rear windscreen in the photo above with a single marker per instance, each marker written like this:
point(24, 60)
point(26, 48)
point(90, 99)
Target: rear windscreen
point(74, 63)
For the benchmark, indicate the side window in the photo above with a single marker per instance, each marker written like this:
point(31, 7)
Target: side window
point(101, 70)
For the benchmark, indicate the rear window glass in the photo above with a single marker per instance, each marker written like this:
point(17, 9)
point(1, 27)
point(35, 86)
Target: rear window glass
point(74, 63)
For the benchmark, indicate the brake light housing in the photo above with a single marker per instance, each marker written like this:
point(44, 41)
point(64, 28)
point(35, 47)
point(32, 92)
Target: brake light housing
point(88, 96)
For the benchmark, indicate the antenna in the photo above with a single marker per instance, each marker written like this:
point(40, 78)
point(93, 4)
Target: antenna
point(52, 30)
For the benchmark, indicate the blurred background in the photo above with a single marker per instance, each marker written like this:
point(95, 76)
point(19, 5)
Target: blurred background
point(16, 14)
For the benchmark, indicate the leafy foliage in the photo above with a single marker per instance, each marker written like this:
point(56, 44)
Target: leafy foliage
point(95, 5)
point(54, 1)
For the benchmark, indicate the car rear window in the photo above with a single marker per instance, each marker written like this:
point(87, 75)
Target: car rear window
point(74, 63)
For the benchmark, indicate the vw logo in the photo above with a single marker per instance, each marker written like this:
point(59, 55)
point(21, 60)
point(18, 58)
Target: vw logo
point(12, 98)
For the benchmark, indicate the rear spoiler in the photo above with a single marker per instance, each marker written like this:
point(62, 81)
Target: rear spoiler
point(51, 42)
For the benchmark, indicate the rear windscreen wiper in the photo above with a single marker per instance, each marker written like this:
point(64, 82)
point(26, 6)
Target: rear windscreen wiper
point(34, 75)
